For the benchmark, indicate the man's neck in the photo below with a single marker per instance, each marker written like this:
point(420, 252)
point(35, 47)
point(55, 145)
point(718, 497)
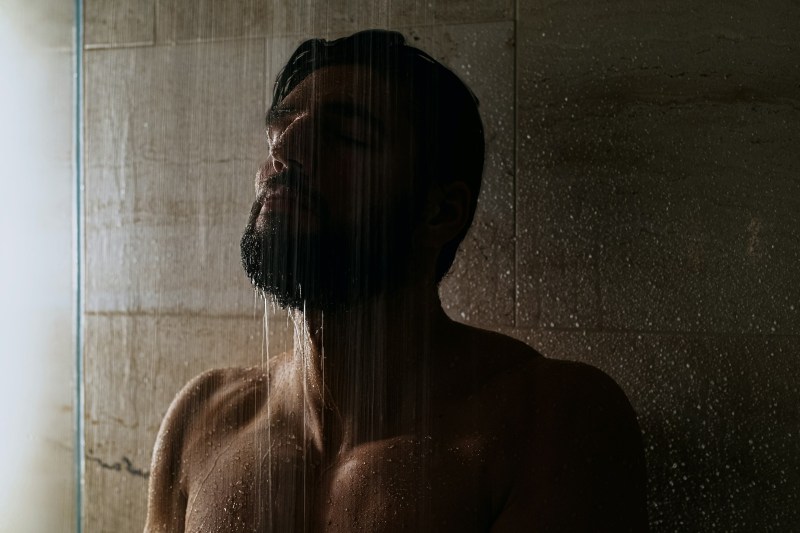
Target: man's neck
point(369, 365)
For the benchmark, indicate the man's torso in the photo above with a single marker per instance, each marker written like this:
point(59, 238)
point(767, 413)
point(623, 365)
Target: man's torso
point(250, 465)
point(508, 438)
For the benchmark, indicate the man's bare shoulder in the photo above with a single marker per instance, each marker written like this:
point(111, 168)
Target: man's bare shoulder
point(223, 396)
point(539, 383)
point(217, 401)
point(212, 408)
point(568, 436)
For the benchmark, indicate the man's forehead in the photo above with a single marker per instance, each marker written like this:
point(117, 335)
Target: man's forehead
point(353, 83)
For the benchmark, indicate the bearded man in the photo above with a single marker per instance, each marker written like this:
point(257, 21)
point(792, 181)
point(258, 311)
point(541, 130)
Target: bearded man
point(387, 415)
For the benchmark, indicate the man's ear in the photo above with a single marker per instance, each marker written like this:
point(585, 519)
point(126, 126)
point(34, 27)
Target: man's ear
point(446, 212)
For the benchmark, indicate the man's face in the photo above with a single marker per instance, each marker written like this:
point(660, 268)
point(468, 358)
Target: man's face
point(334, 215)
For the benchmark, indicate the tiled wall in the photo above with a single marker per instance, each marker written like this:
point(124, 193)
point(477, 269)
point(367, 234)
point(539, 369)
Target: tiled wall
point(658, 216)
point(640, 211)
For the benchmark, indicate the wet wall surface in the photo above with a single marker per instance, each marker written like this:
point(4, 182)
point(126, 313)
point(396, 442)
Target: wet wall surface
point(640, 212)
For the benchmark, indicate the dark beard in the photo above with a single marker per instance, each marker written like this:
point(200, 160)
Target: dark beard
point(328, 268)
point(279, 263)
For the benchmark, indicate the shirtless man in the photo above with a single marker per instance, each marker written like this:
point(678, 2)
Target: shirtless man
point(387, 415)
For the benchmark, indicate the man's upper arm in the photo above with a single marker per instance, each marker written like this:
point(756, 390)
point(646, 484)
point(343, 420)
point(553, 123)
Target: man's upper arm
point(166, 501)
point(584, 461)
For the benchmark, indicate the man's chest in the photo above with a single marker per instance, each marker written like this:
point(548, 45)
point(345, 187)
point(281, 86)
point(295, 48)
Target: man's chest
point(270, 481)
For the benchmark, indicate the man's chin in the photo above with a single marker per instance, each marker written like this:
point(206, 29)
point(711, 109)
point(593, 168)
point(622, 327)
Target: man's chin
point(318, 295)
point(275, 268)
point(314, 273)
point(286, 299)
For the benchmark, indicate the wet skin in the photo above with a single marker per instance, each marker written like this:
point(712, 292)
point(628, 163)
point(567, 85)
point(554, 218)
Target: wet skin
point(406, 421)
point(517, 443)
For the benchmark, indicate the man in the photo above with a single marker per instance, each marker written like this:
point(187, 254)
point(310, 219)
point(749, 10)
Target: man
point(387, 415)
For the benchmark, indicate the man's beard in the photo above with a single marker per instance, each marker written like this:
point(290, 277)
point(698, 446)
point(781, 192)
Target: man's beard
point(327, 267)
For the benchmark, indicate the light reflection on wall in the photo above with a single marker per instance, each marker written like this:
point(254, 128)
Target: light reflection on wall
point(36, 352)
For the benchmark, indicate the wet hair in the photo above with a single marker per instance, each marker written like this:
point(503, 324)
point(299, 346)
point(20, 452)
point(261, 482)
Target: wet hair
point(445, 117)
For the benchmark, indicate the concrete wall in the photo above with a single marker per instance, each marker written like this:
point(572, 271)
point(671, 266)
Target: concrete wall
point(640, 212)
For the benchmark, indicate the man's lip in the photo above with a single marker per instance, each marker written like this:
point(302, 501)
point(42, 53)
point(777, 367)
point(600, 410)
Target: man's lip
point(283, 197)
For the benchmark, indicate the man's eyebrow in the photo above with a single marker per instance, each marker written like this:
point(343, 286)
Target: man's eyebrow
point(352, 110)
point(279, 111)
point(344, 108)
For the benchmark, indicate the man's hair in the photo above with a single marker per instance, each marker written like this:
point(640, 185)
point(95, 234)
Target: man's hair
point(445, 117)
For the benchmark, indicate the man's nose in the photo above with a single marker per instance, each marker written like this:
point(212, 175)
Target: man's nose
point(294, 145)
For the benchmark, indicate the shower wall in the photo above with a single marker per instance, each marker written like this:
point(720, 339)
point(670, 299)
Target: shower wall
point(658, 227)
point(640, 212)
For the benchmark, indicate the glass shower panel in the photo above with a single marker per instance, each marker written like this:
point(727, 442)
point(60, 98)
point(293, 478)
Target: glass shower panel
point(38, 483)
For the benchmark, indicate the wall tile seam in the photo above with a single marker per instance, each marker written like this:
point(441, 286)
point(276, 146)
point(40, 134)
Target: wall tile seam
point(142, 313)
point(169, 314)
point(501, 326)
point(515, 174)
point(118, 46)
point(277, 318)
point(173, 44)
point(653, 333)
point(557, 110)
point(281, 35)
point(776, 52)
point(344, 31)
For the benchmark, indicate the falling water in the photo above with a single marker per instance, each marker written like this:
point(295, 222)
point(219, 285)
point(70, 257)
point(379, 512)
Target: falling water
point(595, 239)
